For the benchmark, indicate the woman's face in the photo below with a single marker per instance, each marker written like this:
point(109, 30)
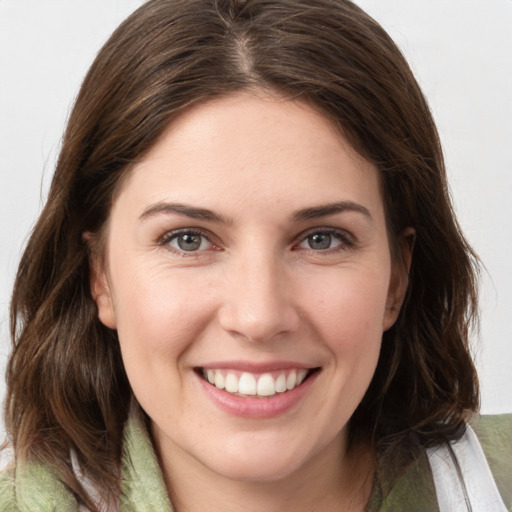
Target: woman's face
point(248, 274)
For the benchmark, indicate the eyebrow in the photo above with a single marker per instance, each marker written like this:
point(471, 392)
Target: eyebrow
point(205, 214)
point(330, 209)
point(183, 209)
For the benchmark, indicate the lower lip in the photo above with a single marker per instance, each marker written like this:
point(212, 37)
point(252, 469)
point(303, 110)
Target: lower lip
point(258, 408)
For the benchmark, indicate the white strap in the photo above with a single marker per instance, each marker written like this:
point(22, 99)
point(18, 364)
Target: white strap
point(88, 487)
point(477, 491)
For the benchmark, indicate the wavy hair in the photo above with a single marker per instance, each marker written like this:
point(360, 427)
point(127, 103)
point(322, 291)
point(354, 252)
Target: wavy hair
point(67, 389)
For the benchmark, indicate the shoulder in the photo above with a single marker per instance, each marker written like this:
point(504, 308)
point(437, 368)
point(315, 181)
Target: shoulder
point(494, 431)
point(495, 436)
point(404, 480)
point(414, 491)
point(7, 491)
point(32, 486)
point(416, 487)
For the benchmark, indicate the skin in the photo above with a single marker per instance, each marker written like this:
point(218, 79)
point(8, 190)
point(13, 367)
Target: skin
point(255, 290)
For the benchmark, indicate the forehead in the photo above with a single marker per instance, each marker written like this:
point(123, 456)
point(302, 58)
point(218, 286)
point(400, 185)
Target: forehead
point(257, 150)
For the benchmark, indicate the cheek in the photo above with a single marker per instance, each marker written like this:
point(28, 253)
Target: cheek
point(159, 315)
point(348, 318)
point(350, 308)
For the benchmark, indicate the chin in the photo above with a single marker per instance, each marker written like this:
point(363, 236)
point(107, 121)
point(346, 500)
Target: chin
point(251, 472)
point(258, 465)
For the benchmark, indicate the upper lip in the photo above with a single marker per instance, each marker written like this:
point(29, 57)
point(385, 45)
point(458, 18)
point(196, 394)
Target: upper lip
point(257, 367)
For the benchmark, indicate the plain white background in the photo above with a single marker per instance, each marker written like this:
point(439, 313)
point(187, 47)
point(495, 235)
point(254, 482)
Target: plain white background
point(460, 51)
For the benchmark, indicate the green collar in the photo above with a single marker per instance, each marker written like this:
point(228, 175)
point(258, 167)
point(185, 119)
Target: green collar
point(143, 488)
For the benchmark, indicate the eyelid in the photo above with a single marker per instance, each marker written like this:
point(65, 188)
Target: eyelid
point(170, 235)
point(348, 241)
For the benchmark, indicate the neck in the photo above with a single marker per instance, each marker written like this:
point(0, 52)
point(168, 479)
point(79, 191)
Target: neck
point(330, 481)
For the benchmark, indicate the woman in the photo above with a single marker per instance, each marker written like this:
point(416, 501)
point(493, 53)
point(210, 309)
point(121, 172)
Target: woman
point(247, 287)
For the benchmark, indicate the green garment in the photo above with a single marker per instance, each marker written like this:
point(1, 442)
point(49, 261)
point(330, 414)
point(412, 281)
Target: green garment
point(33, 488)
point(415, 490)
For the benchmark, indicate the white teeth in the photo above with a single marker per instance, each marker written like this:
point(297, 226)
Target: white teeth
point(247, 384)
point(231, 383)
point(266, 385)
point(219, 380)
point(250, 385)
point(281, 384)
point(301, 375)
point(291, 380)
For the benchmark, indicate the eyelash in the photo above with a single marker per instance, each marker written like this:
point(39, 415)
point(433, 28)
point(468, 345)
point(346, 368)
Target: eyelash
point(346, 241)
point(168, 237)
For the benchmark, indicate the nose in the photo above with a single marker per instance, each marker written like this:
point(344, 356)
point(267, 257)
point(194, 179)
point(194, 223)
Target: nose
point(258, 303)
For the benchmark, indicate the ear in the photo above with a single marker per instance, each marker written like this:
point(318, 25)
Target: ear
point(399, 278)
point(100, 286)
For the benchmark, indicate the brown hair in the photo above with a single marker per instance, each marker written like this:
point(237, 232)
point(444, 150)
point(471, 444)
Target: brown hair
point(67, 389)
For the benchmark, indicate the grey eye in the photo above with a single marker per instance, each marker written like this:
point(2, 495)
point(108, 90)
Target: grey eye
point(189, 242)
point(324, 240)
point(319, 241)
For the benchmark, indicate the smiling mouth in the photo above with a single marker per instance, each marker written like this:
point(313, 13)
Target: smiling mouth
point(262, 385)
